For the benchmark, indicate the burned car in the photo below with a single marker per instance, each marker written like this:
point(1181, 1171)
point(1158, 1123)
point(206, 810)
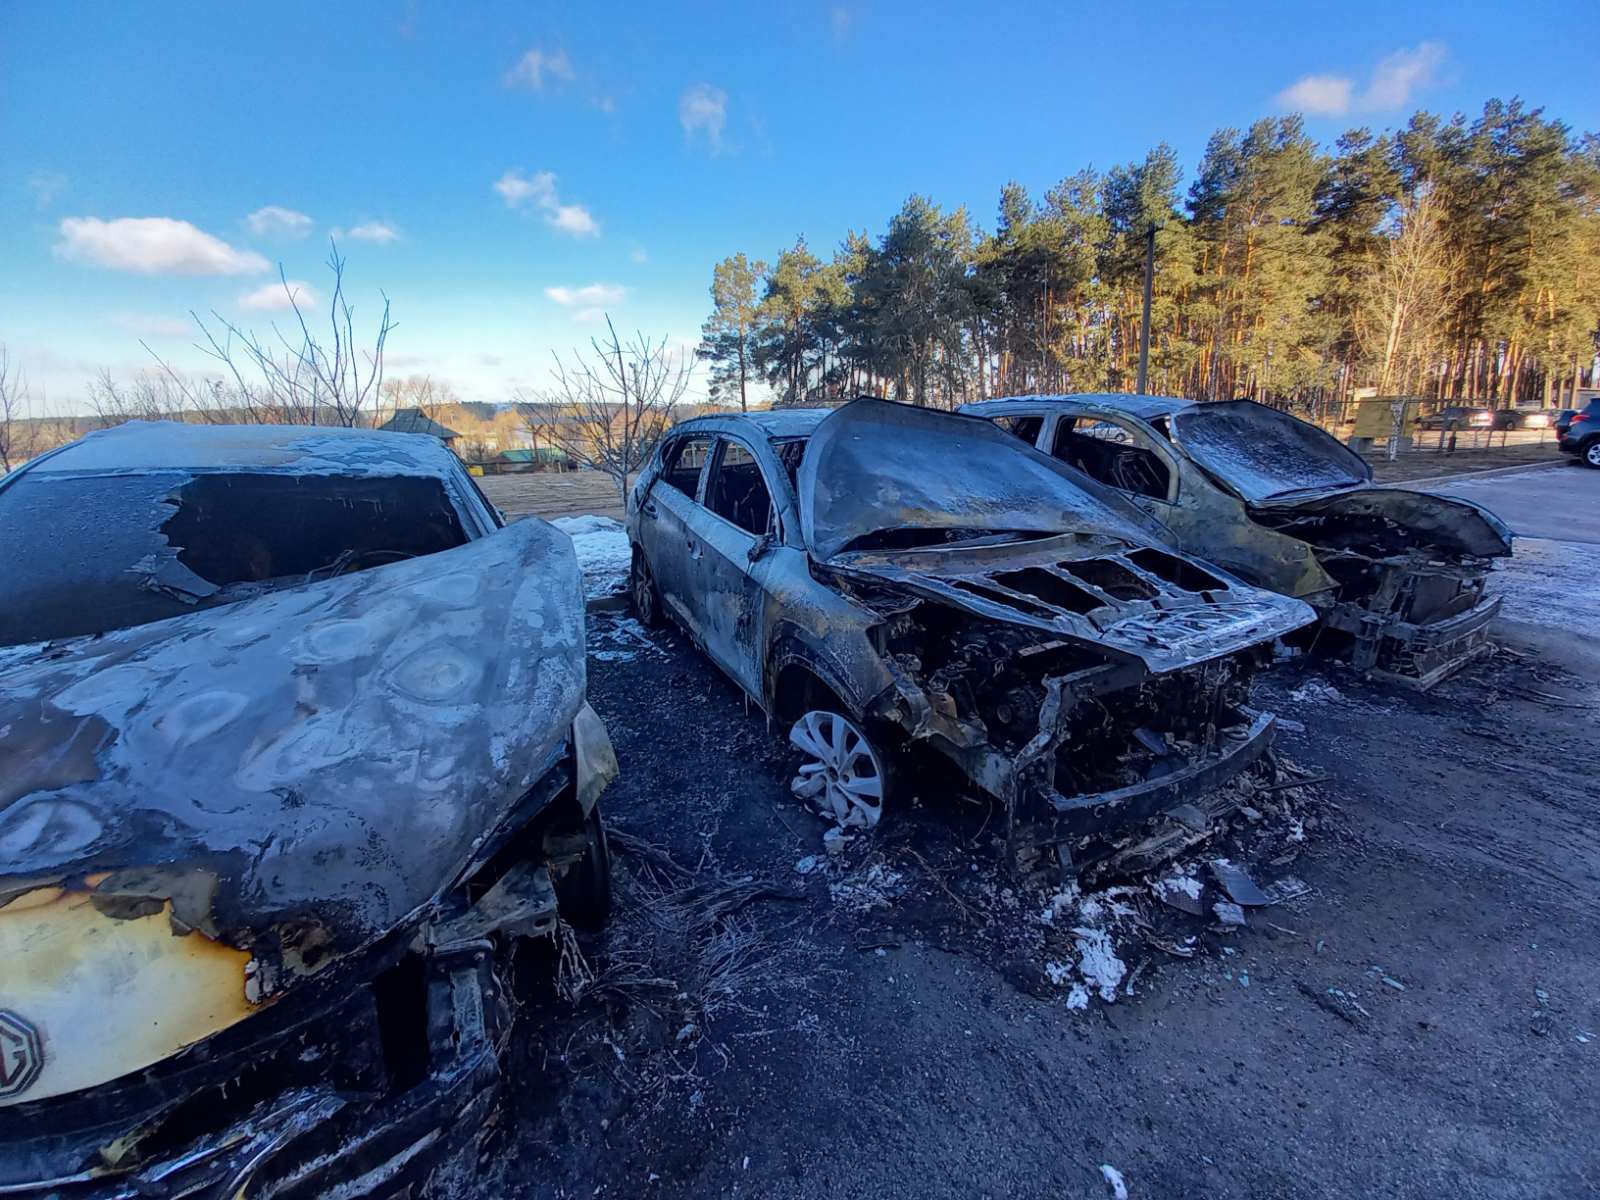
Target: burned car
point(1397, 576)
point(294, 751)
point(884, 579)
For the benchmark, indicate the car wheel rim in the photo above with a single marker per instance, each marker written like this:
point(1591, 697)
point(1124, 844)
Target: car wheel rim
point(1593, 455)
point(841, 777)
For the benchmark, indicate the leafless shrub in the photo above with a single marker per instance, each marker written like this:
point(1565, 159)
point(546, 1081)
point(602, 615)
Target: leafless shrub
point(295, 377)
point(16, 425)
point(609, 405)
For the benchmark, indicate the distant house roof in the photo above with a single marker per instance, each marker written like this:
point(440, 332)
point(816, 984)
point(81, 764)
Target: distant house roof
point(414, 420)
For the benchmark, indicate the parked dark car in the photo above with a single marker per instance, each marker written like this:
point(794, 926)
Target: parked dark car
point(1397, 576)
point(1581, 434)
point(293, 750)
point(888, 581)
point(1458, 416)
point(1523, 418)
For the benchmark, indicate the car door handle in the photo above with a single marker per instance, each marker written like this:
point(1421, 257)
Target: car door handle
point(695, 548)
point(648, 508)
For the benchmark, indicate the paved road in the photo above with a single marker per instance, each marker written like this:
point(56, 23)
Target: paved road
point(1560, 502)
point(1551, 583)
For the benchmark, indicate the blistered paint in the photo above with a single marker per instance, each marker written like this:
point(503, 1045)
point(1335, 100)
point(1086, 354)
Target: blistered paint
point(331, 754)
point(109, 995)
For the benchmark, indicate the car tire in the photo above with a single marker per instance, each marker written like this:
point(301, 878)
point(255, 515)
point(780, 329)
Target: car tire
point(845, 776)
point(583, 894)
point(1591, 453)
point(642, 593)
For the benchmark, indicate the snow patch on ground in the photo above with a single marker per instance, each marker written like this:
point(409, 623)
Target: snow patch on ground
point(1316, 691)
point(1547, 582)
point(1098, 962)
point(603, 553)
point(1096, 969)
point(876, 887)
point(618, 638)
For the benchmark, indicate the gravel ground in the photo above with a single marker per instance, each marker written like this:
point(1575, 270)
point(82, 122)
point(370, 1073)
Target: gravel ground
point(764, 1019)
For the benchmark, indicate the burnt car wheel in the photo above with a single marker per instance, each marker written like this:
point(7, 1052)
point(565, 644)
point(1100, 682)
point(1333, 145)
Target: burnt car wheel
point(844, 776)
point(642, 593)
point(584, 892)
point(1591, 453)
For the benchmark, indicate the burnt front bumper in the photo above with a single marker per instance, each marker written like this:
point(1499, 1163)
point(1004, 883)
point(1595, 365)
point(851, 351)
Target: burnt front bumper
point(354, 1101)
point(1066, 818)
point(1415, 654)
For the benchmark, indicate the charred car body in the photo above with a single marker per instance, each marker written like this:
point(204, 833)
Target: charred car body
point(886, 577)
point(293, 748)
point(1397, 576)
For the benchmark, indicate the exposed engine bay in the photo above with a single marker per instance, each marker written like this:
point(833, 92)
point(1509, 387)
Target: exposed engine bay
point(1409, 597)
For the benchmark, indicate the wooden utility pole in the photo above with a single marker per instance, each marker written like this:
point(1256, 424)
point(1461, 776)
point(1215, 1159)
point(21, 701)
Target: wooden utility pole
point(1144, 331)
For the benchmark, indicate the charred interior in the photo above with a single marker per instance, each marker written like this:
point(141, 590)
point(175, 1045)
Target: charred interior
point(233, 528)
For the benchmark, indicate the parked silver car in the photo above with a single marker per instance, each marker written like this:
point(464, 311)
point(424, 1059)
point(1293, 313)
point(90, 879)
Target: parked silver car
point(884, 579)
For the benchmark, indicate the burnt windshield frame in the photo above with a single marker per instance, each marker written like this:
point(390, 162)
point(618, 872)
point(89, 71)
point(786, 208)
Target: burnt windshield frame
point(1228, 438)
point(92, 552)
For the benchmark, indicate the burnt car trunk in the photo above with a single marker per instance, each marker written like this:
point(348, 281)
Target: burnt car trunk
point(1410, 571)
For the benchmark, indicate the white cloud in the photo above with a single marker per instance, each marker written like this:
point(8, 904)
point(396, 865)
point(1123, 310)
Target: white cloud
point(703, 109)
point(1394, 82)
point(842, 20)
point(276, 221)
point(276, 297)
point(1318, 96)
point(153, 246)
point(46, 186)
point(1401, 74)
point(539, 191)
point(153, 326)
point(375, 231)
point(639, 255)
point(575, 220)
point(538, 65)
point(590, 296)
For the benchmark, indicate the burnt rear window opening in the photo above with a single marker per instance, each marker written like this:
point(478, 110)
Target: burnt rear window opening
point(88, 554)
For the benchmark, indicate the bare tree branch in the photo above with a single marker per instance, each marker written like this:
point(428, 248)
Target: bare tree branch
point(16, 425)
point(608, 407)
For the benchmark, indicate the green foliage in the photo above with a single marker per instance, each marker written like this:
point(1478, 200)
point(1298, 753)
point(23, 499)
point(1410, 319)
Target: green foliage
point(1281, 275)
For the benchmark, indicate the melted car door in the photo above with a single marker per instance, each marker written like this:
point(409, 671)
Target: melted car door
point(667, 514)
point(735, 536)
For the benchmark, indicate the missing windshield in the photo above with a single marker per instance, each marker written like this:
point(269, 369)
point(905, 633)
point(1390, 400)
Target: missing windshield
point(236, 529)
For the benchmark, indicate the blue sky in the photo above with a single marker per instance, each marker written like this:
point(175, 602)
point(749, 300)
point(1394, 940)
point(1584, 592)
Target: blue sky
point(505, 170)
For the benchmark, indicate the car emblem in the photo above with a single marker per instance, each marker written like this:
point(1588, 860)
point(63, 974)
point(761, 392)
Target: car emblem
point(21, 1054)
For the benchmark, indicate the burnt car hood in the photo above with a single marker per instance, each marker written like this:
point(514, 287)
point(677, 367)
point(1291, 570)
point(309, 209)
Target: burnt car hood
point(280, 781)
point(1128, 600)
point(873, 466)
point(1415, 520)
point(1259, 453)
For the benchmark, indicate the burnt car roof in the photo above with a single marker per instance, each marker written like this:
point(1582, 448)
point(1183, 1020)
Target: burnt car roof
point(147, 446)
point(773, 424)
point(1145, 407)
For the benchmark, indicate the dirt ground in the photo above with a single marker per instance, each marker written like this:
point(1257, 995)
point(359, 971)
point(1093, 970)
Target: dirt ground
point(766, 1020)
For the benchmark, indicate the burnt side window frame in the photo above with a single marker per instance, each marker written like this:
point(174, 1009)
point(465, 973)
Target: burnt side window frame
point(714, 468)
point(1139, 437)
point(671, 449)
